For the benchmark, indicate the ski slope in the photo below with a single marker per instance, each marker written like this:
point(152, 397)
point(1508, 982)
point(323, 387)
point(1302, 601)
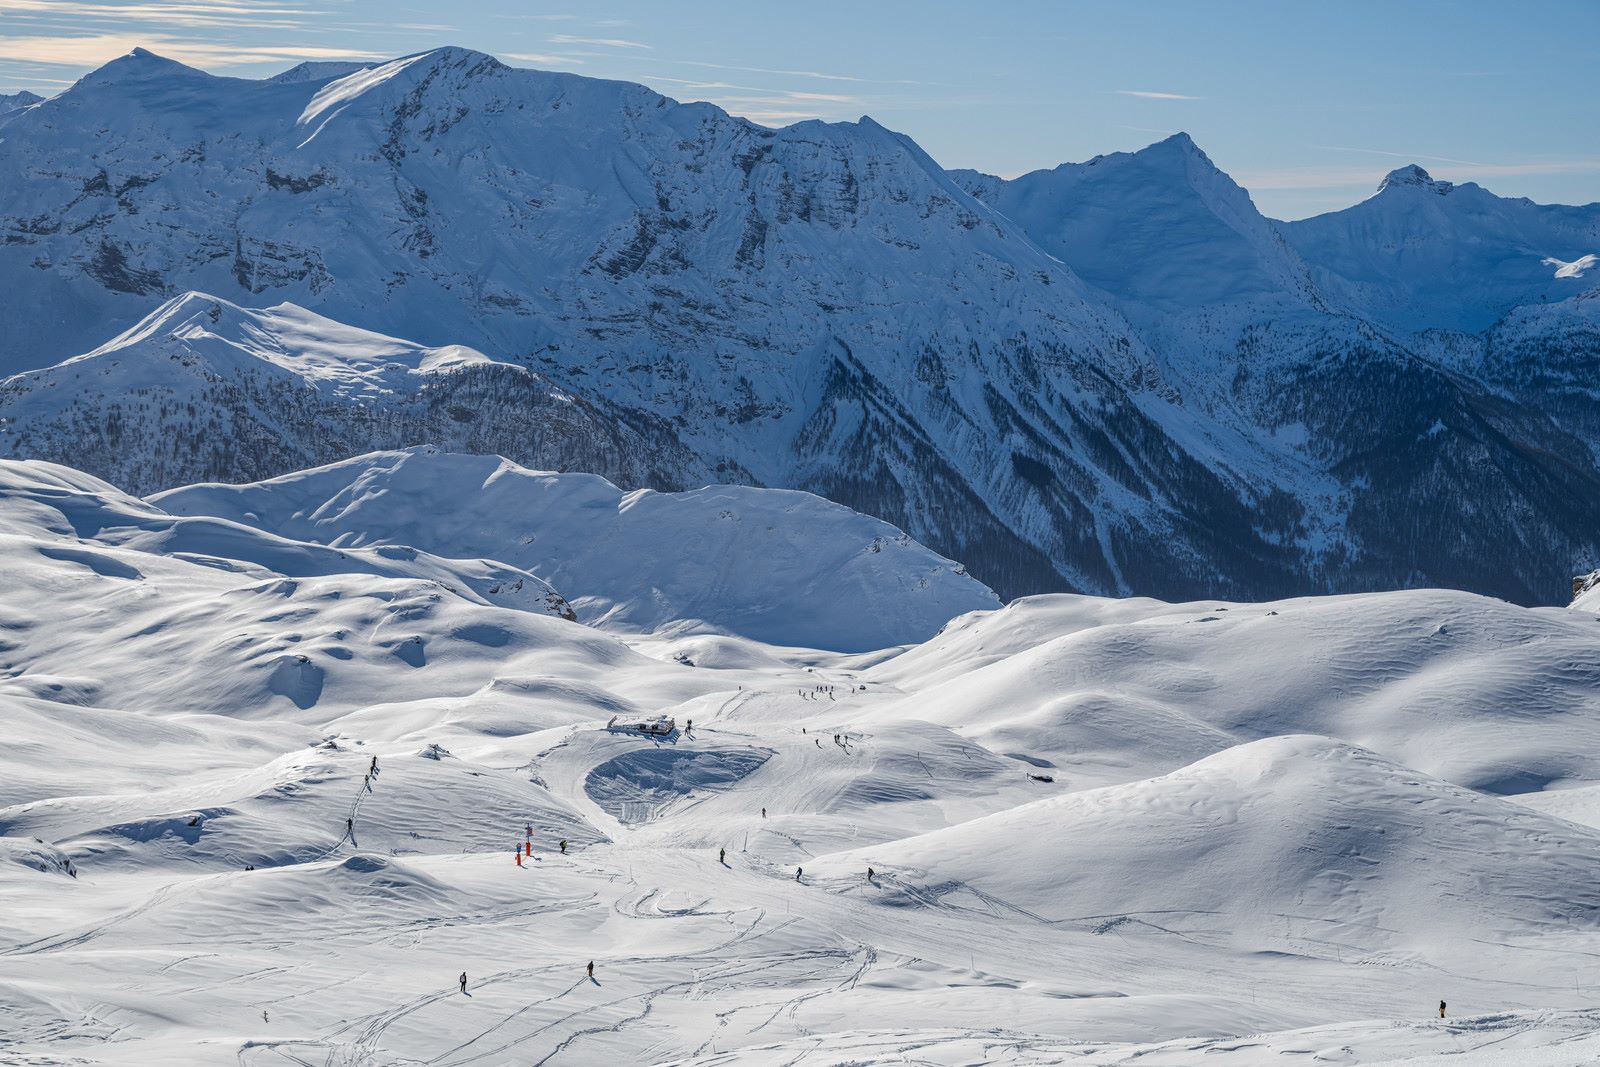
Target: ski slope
point(261, 784)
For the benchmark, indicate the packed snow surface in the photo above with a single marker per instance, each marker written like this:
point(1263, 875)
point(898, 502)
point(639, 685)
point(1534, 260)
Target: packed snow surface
point(279, 765)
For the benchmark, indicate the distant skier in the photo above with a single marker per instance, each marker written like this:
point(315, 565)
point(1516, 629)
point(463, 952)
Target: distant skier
point(722, 856)
point(563, 847)
point(463, 981)
point(374, 768)
point(1441, 1009)
point(763, 813)
point(591, 969)
point(350, 825)
point(798, 871)
point(870, 873)
point(688, 727)
point(264, 1015)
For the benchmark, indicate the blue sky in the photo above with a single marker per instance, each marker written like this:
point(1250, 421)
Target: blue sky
point(1306, 105)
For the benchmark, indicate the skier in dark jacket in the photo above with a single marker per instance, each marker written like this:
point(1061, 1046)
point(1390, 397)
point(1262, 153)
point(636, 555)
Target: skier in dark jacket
point(591, 968)
point(1441, 1009)
point(463, 981)
point(722, 856)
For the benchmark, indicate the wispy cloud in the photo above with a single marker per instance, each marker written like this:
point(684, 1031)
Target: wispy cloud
point(598, 42)
point(1398, 155)
point(189, 14)
point(770, 70)
point(96, 49)
point(542, 58)
point(1146, 94)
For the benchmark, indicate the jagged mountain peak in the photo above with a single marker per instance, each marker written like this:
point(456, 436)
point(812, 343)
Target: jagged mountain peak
point(1413, 176)
point(21, 98)
point(318, 70)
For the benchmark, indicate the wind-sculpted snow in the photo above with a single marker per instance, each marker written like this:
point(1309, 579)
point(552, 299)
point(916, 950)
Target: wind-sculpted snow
point(1340, 845)
point(1479, 692)
point(264, 800)
point(782, 567)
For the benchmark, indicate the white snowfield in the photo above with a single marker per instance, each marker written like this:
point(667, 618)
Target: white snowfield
point(264, 773)
point(779, 566)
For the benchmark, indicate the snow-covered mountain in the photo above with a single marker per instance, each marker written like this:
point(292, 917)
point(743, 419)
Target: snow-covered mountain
point(12, 101)
point(1115, 376)
point(234, 393)
point(257, 795)
point(1424, 254)
point(782, 567)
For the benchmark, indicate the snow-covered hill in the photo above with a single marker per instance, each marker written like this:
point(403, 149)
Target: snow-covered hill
point(782, 567)
point(820, 307)
point(259, 796)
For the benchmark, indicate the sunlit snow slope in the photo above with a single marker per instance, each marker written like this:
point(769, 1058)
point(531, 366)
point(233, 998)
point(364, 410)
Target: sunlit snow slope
point(1097, 832)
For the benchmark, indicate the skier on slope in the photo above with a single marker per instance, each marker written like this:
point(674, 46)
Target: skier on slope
point(1441, 1009)
point(763, 813)
point(798, 871)
point(463, 981)
point(722, 856)
point(591, 968)
point(350, 825)
point(563, 847)
point(870, 873)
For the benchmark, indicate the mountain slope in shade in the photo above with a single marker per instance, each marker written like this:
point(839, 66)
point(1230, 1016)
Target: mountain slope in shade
point(781, 567)
point(1158, 230)
point(15, 100)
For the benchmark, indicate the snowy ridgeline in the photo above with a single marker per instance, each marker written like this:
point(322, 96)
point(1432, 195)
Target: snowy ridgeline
point(281, 762)
point(1114, 376)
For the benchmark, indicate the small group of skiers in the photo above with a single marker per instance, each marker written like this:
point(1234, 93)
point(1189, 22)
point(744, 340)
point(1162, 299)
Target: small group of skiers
point(816, 692)
point(526, 848)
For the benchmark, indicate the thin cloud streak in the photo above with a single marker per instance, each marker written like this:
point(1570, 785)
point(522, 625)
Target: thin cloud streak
point(541, 58)
point(600, 42)
point(1145, 94)
point(1399, 155)
point(98, 49)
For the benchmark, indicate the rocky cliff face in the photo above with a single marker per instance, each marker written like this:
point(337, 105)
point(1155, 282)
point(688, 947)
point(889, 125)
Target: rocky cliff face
point(1114, 377)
